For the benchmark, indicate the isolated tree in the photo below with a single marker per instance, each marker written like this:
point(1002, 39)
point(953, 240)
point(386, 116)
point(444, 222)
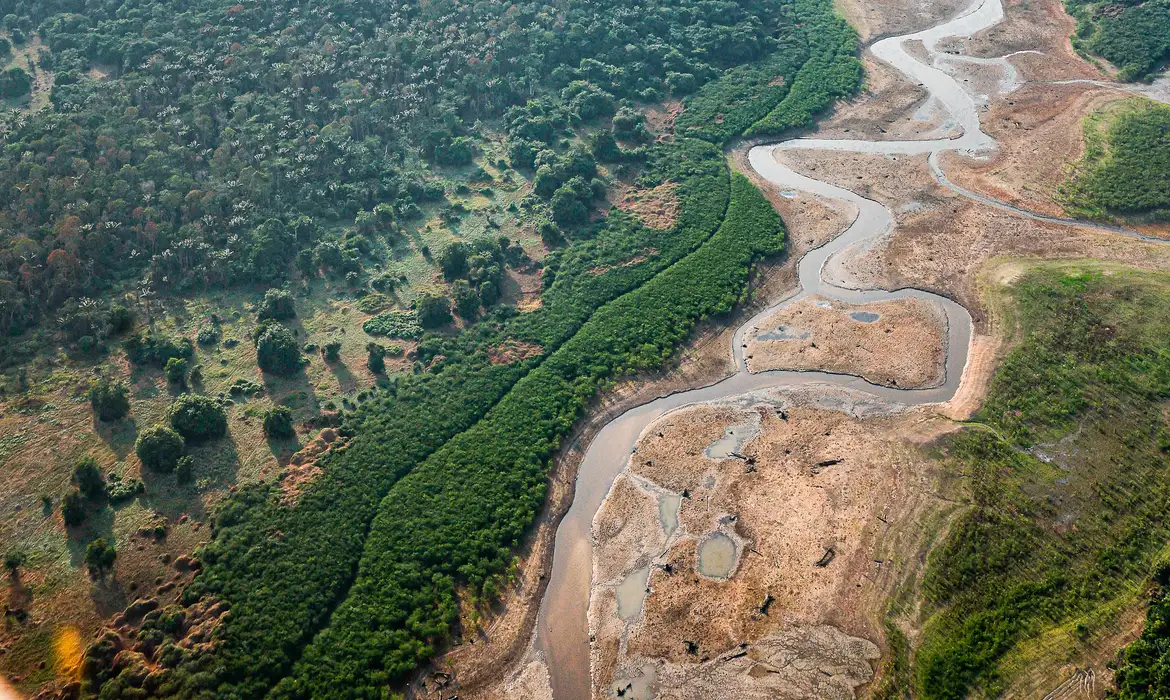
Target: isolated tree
point(88, 478)
point(159, 448)
point(433, 310)
point(277, 351)
point(73, 508)
point(277, 306)
point(13, 560)
point(100, 557)
point(110, 400)
point(198, 418)
point(331, 350)
point(376, 358)
point(278, 423)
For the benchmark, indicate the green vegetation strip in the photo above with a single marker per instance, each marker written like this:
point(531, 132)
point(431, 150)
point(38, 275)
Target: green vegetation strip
point(1125, 169)
point(457, 515)
point(1069, 506)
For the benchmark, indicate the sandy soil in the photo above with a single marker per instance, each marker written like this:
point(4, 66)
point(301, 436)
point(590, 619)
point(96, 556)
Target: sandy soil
point(816, 565)
point(941, 239)
point(873, 21)
point(900, 343)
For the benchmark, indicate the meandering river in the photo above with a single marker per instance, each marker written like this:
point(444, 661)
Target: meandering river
point(562, 627)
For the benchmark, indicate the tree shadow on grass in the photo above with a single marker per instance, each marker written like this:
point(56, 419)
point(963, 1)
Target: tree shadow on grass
point(215, 467)
point(118, 435)
point(345, 379)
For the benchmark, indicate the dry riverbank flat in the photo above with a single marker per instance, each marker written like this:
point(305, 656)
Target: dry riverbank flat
point(898, 343)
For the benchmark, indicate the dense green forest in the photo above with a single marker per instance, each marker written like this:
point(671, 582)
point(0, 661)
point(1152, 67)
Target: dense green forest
point(1125, 169)
point(227, 139)
point(1133, 35)
point(1067, 480)
point(249, 143)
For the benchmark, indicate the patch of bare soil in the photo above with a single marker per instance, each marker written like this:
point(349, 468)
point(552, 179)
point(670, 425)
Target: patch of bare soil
point(513, 351)
point(302, 468)
point(818, 503)
point(896, 343)
point(888, 107)
point(660, 119)
point(875, 20)
point(942, 239)
point(656, 208)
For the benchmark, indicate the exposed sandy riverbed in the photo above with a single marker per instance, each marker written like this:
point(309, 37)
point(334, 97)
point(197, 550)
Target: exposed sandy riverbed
point(898, 343)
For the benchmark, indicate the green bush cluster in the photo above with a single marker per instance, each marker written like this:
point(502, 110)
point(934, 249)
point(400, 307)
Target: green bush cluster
point(110, 400)
point(394, 324)
point(198, 418)
point(1133, 36)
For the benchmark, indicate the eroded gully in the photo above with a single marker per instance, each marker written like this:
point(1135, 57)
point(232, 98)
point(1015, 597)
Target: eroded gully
point(562, 628)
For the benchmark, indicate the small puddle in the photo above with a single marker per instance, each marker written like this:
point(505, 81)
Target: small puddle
point(788, 194)
point(785, 333)
point(716, 555)
point(639, 687)
point(631, 593)
point(733, 440)
point(864, 316)
point(668, 505)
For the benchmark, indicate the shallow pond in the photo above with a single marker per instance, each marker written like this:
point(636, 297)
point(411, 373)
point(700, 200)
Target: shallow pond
point(716, 555)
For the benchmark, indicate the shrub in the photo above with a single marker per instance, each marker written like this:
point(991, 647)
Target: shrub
point(394, 324)
point(207, 335)
point(375, 359)
point(277, 306)
point(100, 557)
point(159, 448)
point(198, 418)
point(277, 350)
point(87, 476)
point(331, 350)
point(120, 319)
point(467, 301)
point(150, 349)
point(119, 489)
point(176, 371)
point(183, 469)
point(110, 400)
point(278, 423)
